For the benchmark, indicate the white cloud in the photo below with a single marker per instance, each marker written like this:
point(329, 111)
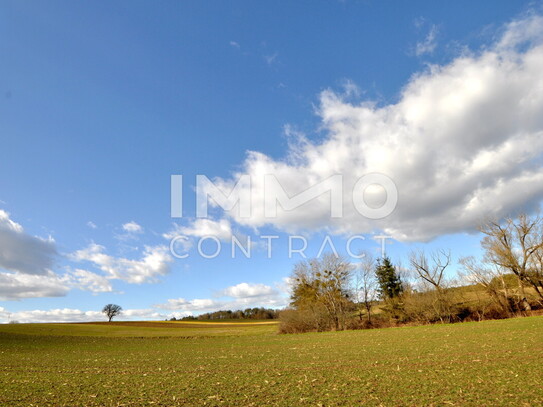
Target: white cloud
point(270, 59)
point(91, 225)
point(191, 305)
point(24, 253)
point(154, 263)
point(429, 44)
point(523, 31)
point(221, 229)
point(142, 314)
point(464, 140)
point(419, 22)
point(28, 260)
point(88, 281)
point(234, 44)
point(16, 286)
point(132, 227)
point(285, 286)
point(239, 296)
point(54, 315)
point(76, 315)
point(244, 290)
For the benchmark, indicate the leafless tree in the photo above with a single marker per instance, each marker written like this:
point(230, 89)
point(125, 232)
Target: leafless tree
point(516, 245)
point(112, 310)
point(431, 270)
point(366, 284)
point(491, 278)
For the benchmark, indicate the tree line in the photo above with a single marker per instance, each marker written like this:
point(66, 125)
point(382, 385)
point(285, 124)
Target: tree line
point(248, 313)
point(113, 310)
point(332, 293)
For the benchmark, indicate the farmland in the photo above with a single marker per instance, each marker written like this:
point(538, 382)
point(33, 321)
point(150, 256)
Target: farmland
point(248, 364)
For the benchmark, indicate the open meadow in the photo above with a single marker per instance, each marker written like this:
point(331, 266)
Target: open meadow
point(491, 363)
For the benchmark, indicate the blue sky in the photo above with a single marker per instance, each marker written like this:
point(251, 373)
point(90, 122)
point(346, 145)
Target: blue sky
point(101, 102)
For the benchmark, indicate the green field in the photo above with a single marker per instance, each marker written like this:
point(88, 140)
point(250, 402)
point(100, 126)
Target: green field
point(492, 363)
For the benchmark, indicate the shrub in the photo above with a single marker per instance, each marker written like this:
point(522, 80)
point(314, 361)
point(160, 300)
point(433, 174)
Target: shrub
point(304, 320)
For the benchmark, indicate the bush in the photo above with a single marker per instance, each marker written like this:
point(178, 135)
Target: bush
point(304, 320)
point(295, 321)
point(429, 307)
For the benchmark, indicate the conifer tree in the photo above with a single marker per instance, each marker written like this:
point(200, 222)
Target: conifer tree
point(390, 284)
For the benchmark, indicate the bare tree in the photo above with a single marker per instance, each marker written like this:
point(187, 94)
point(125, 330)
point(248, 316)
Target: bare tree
point(431, 270)
point(112, 310)
point(366, 284)
point(516, 245)
point(491, 278)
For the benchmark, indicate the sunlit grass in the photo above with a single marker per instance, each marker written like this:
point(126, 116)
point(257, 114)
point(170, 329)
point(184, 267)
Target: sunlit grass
point(489, 363)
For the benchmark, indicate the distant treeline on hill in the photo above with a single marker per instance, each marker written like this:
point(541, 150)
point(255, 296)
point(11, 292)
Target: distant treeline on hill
point(249, 313)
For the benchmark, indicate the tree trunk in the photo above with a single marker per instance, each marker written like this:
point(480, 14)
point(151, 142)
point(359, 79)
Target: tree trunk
point(368, 308)
point(525, 306)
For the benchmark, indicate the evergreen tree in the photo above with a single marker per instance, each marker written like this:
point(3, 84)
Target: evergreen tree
point(390, 284)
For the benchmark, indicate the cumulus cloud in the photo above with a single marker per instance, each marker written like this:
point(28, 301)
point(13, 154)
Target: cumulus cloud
point(26, 261)
point(199, 228)
point(145, 314)
point(240, 296)
point(17, 286)
point(75, 315)
point(24, 253)
point(197, 304)
point(464, 141)
point(56, 315)
point(88, 281)
point(154, 263)
point(244, 290)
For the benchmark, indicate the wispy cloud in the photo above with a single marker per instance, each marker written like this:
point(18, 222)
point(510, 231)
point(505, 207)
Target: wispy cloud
point(221, 229)
point(132, 227)
point(428, 45)
point(270, 59)
point(131, 231)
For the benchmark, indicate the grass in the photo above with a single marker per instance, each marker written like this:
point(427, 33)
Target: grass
point(491, 363)
point(145, 329)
